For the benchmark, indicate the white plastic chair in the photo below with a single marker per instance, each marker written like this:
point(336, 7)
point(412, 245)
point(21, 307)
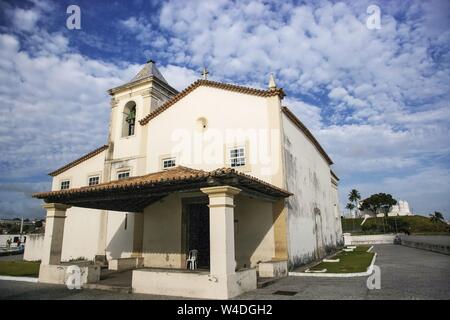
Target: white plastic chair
point(191, 261)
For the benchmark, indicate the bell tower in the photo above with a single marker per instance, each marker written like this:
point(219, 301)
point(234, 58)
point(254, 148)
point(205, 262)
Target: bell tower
point(130, 102)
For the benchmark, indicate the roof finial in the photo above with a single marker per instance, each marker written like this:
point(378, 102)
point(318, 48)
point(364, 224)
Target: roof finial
point(272, 84)
point(150, 61)
point(205, 73)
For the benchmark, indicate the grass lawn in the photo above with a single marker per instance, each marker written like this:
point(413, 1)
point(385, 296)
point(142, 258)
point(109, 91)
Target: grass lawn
point(356, 261)
point(19, 268)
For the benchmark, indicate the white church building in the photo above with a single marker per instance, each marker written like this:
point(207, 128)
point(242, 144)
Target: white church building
point(222, 173)
point(397, 210)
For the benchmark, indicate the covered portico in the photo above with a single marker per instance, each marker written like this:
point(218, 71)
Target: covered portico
point(172, 220)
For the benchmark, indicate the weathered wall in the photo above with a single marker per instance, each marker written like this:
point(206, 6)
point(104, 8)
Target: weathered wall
point(312, 223)
point(161, 245)
point(369, 239)
point(254, 235)
point(34, 247)
point(335, 206)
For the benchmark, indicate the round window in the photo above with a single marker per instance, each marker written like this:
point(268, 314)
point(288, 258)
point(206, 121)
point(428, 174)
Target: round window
point(202, 124)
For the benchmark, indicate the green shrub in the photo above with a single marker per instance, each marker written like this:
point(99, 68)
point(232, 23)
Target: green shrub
point(412, 224)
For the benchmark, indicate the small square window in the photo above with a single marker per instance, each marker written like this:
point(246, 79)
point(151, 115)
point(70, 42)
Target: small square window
point(94, 180)
point(169, 163)
point(65, 184)
point(237, 157)
point(123, 175)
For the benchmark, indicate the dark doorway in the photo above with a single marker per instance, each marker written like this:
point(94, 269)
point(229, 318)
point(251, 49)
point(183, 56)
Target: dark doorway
point(198, 232)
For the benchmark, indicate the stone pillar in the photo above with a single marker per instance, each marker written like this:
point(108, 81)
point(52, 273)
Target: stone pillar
point(54, 233)
point(221, 229)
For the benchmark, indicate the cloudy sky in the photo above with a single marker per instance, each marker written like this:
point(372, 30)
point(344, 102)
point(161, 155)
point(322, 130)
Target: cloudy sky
point(376, 99)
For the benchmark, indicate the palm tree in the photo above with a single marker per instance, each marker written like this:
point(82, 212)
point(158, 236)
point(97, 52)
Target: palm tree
point(436, 217)
point(350, 206)
point(354, 196)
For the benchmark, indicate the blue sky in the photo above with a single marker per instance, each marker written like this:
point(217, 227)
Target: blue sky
point(377, 100)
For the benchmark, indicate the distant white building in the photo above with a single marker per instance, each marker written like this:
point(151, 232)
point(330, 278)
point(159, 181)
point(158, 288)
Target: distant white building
point(400, 209)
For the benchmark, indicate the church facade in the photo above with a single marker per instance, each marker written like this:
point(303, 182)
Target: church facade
point(221, 173)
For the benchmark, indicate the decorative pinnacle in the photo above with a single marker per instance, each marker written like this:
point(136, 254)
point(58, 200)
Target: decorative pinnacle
point(272, 84)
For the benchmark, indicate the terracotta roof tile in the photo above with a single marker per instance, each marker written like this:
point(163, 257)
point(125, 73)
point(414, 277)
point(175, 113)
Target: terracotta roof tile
point(78, 161)
point(179, 173)
point(213, 84)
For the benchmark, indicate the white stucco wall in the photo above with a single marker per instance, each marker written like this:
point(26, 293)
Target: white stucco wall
point(128, 146)
point(162, 233)
point(79, 174)
point(119, 241)
point(174, 131)
point(308, 178)
point(162, 240)
point(34, 247)
point(82, 226)
point(254, 234)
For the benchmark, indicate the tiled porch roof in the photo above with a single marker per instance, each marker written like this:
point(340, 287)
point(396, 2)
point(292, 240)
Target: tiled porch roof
point(135, 193)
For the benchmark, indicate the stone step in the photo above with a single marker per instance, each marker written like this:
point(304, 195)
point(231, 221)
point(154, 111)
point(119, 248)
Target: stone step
point(105, 287)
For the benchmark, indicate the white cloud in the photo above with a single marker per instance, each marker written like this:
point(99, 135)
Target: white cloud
point(62, 110)
point(144, 32)
point(25, 19)
point(382, 95)
point(179, 77)
point(307, 113)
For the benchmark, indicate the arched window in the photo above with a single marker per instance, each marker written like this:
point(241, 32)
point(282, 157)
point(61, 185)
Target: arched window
point(129, 119)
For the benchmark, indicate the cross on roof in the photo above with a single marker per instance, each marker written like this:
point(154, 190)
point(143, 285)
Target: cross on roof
point(205, 73)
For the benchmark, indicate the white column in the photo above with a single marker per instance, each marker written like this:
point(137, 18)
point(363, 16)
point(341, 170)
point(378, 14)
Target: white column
point(221, 229)
point(54, 233)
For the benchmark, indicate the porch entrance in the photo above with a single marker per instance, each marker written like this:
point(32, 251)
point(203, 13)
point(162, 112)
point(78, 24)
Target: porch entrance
point(197, 232)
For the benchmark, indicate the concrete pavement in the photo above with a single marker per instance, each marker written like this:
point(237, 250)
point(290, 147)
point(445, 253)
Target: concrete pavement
point(406, 273)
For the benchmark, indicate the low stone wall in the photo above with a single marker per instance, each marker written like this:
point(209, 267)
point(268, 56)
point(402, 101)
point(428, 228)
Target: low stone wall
point(193, 284)
point(58, 274)
point(368, 239)
point(34, 247)
point(273, 269)
point(125, 263)
point(445, 249)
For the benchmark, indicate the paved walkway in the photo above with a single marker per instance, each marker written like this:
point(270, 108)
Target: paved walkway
point(406, 273)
